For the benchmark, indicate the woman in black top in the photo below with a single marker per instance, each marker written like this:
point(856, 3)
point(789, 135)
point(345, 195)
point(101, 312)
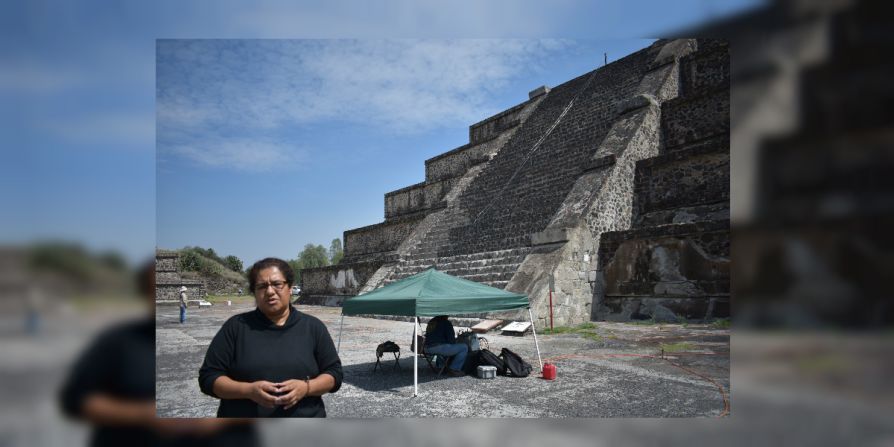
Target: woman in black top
point(274, 361)
point(112, 386)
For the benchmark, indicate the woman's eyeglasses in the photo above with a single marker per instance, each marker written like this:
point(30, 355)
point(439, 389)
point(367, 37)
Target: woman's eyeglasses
point(277, 285)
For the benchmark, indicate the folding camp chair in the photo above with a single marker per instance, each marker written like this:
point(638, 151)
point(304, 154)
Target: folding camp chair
point(432, 359)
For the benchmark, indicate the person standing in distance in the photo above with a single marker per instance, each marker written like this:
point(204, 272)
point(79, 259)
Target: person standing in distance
point(182, 304)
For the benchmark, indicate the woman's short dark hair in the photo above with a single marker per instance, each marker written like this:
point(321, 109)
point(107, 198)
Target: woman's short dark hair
point(283, 267)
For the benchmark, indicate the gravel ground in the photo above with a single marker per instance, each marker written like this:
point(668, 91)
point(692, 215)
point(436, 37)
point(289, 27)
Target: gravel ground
point(618, 372)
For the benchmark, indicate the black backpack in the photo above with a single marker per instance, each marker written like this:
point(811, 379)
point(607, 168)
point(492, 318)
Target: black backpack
point(472, 362)
point(515, 365)
point(485, 357)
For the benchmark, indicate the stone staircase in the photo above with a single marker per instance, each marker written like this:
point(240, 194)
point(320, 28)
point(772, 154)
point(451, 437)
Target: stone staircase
point(494, 268)
point(522, 188)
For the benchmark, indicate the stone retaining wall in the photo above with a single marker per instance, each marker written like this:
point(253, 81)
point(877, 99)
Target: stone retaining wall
point(168, 280)
point(492, 127)
point(169, 292)
point(167, 263)
point(683, 187)
point(344, 279)
point(379, 238)
point(420, 198)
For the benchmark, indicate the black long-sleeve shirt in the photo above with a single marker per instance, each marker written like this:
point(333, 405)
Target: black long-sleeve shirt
point(249, 347)
point(120, 363)
point(439, 332)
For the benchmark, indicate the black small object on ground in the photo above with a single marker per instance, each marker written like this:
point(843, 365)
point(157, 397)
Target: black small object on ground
point(389, 347)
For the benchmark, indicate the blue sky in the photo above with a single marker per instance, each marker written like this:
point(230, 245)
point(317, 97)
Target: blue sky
point(79, 101)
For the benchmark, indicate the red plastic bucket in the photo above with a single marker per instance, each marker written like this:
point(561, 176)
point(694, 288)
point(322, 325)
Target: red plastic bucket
point(549, 371)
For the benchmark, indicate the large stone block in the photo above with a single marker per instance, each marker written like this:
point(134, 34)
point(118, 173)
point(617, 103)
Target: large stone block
point(636, 102)
point(542, 90)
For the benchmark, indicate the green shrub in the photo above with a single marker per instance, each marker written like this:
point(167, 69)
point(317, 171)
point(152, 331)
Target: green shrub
point(723, 323)
point(587, 330)
point(192, 260)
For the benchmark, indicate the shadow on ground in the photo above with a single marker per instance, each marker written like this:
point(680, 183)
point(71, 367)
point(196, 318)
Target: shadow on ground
point(388, 378)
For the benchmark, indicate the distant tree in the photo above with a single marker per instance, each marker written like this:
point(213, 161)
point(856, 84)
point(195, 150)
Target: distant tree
point(233, 263)
point(335, 252)
point(313, 256)
point(196, 259)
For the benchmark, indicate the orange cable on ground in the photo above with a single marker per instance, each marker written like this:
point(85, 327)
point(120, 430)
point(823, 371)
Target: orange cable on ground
point(719, 386)
point(726, 405)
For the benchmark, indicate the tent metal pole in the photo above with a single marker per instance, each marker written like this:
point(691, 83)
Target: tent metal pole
point(340, 328)
point(537, 345)
point(416, 357)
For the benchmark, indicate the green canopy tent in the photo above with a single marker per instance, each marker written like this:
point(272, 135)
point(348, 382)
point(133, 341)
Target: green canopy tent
point(432, 293)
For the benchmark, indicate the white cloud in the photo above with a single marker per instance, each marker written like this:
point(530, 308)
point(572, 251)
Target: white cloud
point(242, 154)
point(22, 79)
point(183, 115)
point(122, 129)
point(413, 85)
point(401, 86)
point(215, 90)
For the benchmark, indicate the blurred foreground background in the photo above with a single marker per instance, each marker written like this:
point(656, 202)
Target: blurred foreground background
point(812, 204)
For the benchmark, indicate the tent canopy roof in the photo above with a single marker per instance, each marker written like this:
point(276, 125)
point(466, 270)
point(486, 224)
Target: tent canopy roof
point(432, 293)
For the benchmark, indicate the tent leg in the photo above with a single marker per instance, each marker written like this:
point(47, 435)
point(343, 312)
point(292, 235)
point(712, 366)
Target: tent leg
point(536, 345)
point(340, 328)
point(416, 358)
